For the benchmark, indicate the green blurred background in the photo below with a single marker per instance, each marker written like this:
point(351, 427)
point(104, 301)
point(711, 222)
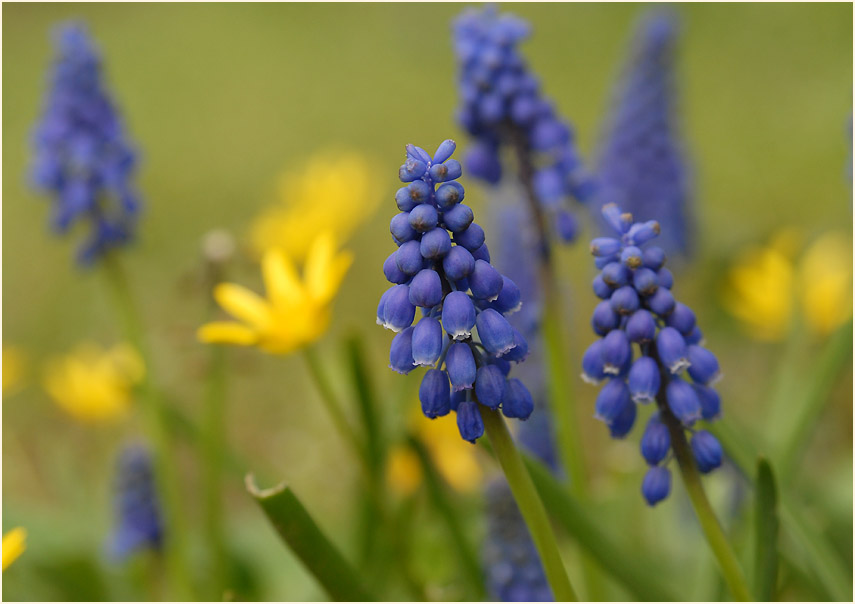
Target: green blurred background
point(221, 98)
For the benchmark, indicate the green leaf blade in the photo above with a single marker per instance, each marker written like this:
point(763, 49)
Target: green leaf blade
point(766, 526)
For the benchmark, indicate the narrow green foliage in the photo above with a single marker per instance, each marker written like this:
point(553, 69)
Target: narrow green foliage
point(765, 533)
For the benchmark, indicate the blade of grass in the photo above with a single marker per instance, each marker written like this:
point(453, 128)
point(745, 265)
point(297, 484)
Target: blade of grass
point(765, 533)
point(299, 531)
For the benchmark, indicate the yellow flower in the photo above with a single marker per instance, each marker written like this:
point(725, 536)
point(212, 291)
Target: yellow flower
point(454, 458)
point(13, 369)
point(14, 544)
point(766, 285)
point(93, 384)
point(331, 192)
point(296, 310)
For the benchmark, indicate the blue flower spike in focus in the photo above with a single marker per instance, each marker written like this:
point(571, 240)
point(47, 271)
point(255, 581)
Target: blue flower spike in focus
point(642, 163)
point(139, 522)
point(639, 314)
point(503, 107)
point(83, 159)
point(442, 267)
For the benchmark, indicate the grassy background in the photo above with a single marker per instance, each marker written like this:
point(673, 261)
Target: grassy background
point(221, 98)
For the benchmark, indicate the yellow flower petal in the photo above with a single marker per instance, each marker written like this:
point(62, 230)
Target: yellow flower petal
point(226, 332)
point(242, 303)
point(403, 471)
point(325, 268)
point(14, 544)
point(281, 279)
point(825, 277)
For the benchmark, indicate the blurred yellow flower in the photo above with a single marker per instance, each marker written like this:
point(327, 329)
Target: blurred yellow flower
point(454, 458)
point(296, 310)
point(766, 285)
point(14, 544)
point(331, 192)
point(93, 384)
point(13, 369)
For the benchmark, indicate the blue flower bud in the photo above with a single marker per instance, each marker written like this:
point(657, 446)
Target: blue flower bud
point(426, 289)
point(450, 170)
point(683, 401)
point(615, 218)
point(642, 232)
point(605, 246)
point(624, 421)
point(517, 401)
point(472, 238)
point(381, 306)
point(661, 302)
point(427, 341)
point(671, 348)
point(696, 336)
point(458, 218)
point(706, 450)
point(458, 264)
point(567, 226)
point(401, 229)
point(644, 280)
point(644, 380)
point(710, 401)
point(449, 194)
point(703, 366)
point(624, 300)
point(444, 151)
point(656, 440)
point(631, 256)
point(414, 152)
point(398, 311)
point(495, 332)
point(482, 162)
point(654, 258)
point(519, 352)
point(602, 289)
point(482, 253)
point(460, 364)
point(485, 281)
point(392, 272)
point(423, 217)
point(462, 285)
point(549, 185)
point(411, 170)
point(457, 398)
point(611, 400)
point(489, 386)
point(409, 258)
point(401, 352)
point(666, 279)
point(458, 315)
point(616, 274)
point(681, 318)
point(592, 363)
point(435, 244)
point(403, 199)
point(469, 421)
point(616, 350)
point(435, 394)
point(656, 485)
point(510, 299)
point(604, 318)
point(641, 327)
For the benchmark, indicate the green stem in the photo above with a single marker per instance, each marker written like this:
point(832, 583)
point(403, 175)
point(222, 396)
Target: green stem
point(529, 504)
point(328, 398)
point(156, 426)
point(706, 516)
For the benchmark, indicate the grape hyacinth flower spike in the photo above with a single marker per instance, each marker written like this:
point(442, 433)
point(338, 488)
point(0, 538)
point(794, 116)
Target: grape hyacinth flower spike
point(442, 265)
point(137, 507)
point(83, 159)
point(503, 107)
point(639, 311)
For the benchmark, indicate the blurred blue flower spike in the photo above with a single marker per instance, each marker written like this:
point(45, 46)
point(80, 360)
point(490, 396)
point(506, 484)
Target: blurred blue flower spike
point(138, 515)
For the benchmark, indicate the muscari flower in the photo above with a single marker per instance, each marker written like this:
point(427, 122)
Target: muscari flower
point(442, 265)
point(93, 384)
point(331, 192)
point(503, 107)
point(767, 287)
point(138, 515)
point(296, 310)
point(642, 165)
point(14, 544)
point(83, 159)
point(673, 368)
